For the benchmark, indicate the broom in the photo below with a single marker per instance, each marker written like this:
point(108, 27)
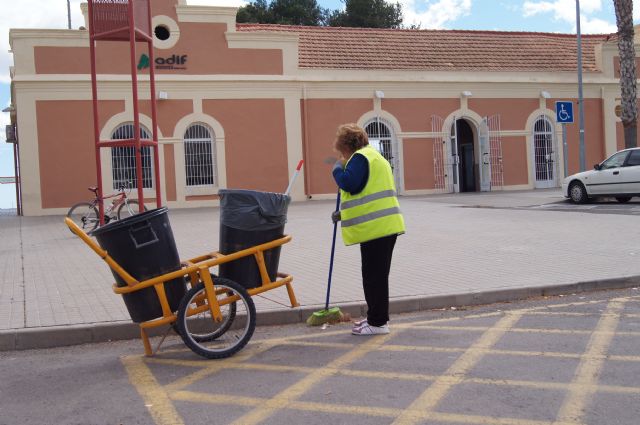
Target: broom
point(333, 314)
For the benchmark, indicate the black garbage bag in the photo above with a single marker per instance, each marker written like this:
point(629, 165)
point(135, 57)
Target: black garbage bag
point(249, 218)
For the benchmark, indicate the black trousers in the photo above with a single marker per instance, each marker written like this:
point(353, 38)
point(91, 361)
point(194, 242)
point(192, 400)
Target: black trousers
point(376, 263)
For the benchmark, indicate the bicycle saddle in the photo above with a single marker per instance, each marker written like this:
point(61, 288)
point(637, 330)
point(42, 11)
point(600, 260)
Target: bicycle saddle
point(94, 189)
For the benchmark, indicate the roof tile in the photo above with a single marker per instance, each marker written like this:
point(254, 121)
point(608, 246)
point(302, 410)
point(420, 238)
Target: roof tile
point(436, 50)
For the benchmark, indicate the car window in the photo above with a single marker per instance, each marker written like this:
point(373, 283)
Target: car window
point(615, 161)
point(634, 158)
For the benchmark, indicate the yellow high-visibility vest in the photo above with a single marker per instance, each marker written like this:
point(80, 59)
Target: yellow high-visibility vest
point(374, 212)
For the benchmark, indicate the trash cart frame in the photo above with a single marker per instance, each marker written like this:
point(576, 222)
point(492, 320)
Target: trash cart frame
point(197, 270)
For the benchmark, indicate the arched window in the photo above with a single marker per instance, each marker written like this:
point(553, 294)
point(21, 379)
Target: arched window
point(543, 149)
point(380, 138)
point(199, 156)
point(123, 159)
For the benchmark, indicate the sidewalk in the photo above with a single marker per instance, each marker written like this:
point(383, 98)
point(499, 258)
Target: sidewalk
point(480, 247)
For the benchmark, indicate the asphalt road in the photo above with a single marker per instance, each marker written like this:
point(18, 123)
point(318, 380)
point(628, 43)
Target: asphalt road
point(561, 360)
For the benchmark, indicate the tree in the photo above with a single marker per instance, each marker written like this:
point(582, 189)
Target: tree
point(626, 49)
point(255, 12)
point(367, 14)
point(285, 12)
point(298, 12)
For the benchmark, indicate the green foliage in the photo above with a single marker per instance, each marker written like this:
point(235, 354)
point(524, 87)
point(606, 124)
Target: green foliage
point(367, 14)
point(285, 12)
point(357, 13)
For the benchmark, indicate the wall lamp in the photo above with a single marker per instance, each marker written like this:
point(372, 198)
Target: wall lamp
point(545, 94)
point(466, 93)
point(379, 94)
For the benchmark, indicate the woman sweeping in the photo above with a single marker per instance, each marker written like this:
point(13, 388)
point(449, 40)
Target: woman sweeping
point(370, 215)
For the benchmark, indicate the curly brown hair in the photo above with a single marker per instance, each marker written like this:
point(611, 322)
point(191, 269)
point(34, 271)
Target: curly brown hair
point(350, 138)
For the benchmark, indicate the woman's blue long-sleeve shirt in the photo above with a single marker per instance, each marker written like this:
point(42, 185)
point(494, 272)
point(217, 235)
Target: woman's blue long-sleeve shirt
point(353, 178)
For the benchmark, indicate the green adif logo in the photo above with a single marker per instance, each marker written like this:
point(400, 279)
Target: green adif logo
point(143, 63)
point(172, 62)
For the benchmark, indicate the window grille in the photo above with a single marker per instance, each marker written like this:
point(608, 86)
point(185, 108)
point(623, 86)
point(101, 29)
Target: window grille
point(123, 159)
point(199, 156)
point(543, 149)
point(380, 138)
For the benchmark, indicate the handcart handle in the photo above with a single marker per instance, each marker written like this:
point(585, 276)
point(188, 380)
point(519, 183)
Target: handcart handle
point(101, 252)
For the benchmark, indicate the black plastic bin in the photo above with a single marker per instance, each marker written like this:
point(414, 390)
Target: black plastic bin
point(144, 246)
point(249, 218)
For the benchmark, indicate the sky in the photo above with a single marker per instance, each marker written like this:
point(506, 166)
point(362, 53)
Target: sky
point(596, 16)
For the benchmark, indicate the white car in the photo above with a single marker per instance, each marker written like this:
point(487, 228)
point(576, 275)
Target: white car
point(617, 176)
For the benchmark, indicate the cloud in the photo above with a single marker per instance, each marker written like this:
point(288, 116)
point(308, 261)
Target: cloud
point(434, 13)
point(33, 14)
point(565, 11)
point(53, 14)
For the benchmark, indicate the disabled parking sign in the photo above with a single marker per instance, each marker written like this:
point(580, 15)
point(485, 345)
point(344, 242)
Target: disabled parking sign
point(564, 112)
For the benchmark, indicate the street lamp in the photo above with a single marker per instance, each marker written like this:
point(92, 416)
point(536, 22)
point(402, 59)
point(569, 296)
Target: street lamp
point(583, 165)
point(69, 14)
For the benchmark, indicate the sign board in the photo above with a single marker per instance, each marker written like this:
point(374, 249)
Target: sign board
point(7, 180)
point(564, 112)
point(10, 133)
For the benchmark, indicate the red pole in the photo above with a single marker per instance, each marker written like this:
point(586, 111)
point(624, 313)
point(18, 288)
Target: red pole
point(136, 107)
point(154, 115)
point(96, 127)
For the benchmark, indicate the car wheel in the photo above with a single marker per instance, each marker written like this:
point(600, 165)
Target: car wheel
point(623, 199)
point(578, 193)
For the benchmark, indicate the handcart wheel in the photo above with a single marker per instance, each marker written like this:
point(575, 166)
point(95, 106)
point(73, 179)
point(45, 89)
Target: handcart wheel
point(211, 339)
point(228, 314)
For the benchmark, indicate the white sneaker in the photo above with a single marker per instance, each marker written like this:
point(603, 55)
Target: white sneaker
point(367, 329)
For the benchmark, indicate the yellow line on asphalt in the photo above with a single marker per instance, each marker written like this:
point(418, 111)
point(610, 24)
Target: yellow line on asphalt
point(520, 330)
point(624, 358)
point(370, 411)
point(588, 371)
point(156, 399)
point(480, 420)
point(214, 366)
point(225, 399)
point(284, 398)
point(429, 399)
point(299, 343)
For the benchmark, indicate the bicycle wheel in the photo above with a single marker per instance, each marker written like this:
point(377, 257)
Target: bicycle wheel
point(128, 208)
point(211, 339)
point(85, 215)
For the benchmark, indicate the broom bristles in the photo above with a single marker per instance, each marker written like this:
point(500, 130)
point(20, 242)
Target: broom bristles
point(332, 315)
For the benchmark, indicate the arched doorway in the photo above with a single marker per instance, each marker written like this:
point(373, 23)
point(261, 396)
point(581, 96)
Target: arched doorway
point(463, 151)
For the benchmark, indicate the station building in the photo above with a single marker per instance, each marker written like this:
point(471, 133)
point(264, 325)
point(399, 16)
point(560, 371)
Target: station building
point(240, 104)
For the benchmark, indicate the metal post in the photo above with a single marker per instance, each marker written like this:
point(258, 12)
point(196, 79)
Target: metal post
point(583, 165)
point(69, 13)
point(565, 157)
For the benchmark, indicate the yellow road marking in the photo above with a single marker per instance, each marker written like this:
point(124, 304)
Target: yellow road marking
point(309, 406)
point(529, 330)
point(285, 397)
point(154, 396)
point(588, 371)
point(430, 398)
point(152, 391)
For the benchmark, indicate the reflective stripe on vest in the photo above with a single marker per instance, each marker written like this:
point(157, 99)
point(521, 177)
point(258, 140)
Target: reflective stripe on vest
point(374, 212)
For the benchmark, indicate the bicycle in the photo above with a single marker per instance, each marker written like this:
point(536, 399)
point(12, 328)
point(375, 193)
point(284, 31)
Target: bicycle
point(85, 214)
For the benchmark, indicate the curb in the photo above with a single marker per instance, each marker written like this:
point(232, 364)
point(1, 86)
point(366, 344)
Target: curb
point(61, 336)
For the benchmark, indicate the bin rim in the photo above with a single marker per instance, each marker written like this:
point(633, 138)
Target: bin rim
point(134, 219)
point(222, 192)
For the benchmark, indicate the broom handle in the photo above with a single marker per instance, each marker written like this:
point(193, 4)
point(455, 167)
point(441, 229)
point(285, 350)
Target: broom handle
point(333, 250)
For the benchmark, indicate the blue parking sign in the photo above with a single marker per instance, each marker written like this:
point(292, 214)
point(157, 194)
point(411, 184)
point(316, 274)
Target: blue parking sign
point(564, 112)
